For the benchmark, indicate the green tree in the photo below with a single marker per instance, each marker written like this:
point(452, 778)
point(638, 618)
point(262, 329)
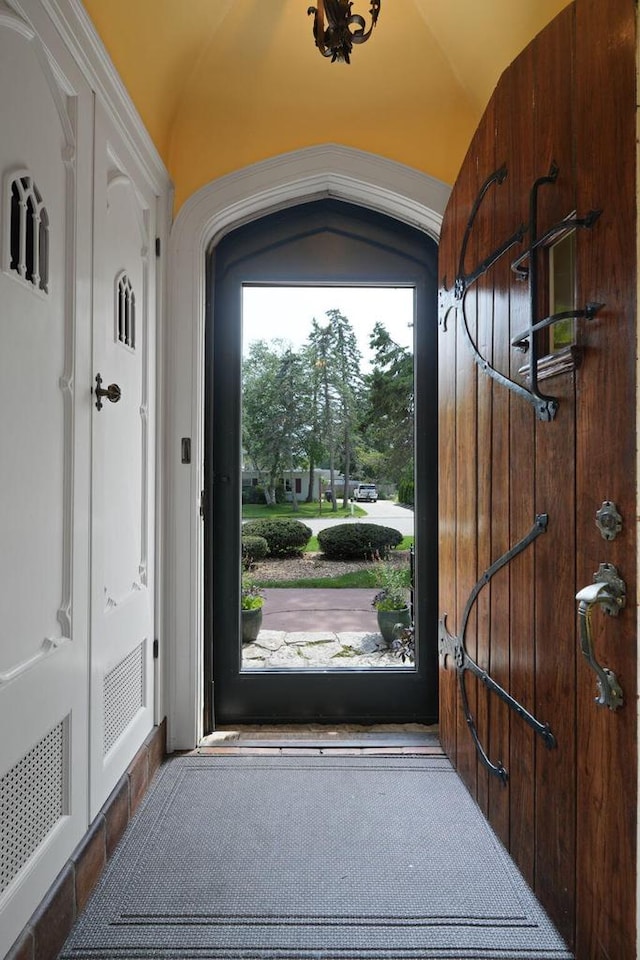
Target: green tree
point(316, 448)
point(388, 423)
point(319, 345)
point(346, 363)
point(336, 361)
point(275, 411)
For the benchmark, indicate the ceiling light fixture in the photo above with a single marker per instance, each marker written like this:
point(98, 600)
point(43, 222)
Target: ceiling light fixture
point(337, 38)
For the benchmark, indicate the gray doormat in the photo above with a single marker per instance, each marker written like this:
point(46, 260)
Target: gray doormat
point(311, 858)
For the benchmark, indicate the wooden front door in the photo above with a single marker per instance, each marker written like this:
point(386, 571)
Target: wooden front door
point(562, 115)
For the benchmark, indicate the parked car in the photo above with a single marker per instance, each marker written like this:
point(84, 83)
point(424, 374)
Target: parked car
point(366, 491)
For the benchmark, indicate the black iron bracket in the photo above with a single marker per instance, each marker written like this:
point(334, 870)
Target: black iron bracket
point(525, 266)
point(454, 647)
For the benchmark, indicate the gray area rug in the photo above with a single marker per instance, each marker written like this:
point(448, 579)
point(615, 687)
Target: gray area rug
point(311, 858)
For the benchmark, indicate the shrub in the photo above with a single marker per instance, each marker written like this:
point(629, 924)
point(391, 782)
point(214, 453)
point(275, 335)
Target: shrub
point(285, 538)
point(358, 541)
point(253, 549)
point(406, 492)
point(253, 494)
point(392, 581)
point(251, 596)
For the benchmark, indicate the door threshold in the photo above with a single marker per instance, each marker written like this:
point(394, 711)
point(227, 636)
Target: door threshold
point(390, 738)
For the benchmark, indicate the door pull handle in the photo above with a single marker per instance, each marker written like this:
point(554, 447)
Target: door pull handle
point(112, 393)
point(608, 591)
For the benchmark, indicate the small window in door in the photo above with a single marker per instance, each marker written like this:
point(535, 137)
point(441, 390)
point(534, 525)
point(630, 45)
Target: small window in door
point(562, 291)
point(125, 325)
point(29, 234)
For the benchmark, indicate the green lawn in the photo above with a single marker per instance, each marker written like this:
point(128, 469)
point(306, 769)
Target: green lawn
point(260, 511)
point(361, 578)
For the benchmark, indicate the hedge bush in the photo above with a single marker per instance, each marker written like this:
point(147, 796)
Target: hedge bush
point(253, 494)
point(358, 541)
point(285, 538)
point(253, 549)
point(406, 492)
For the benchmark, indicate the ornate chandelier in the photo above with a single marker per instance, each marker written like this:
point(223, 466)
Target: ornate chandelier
point(342, 29)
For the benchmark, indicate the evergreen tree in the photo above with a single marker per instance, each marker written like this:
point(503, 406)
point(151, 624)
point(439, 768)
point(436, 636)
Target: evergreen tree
point(388, 422)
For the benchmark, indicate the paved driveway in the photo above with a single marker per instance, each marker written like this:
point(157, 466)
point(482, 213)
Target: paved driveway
point(384, 512)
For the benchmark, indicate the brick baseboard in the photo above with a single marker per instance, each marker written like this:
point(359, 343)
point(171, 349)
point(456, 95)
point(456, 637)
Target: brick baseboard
point(49, 927)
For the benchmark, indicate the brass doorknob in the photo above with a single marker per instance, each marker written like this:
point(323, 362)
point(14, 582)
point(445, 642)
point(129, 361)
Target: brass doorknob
point(112, 393)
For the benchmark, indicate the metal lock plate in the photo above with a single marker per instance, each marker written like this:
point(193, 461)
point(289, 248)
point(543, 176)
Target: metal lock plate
point(608, 520)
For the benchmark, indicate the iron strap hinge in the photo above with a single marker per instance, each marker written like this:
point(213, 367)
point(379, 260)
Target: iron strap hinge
point(526, 267)
point(454, 647)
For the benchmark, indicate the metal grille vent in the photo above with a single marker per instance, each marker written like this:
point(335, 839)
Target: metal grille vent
point(123, 695)
point(32, 800)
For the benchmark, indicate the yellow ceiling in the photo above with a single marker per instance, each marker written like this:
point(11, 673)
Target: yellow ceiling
point(223, 83)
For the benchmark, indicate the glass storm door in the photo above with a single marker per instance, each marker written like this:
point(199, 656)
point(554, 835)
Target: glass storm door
point(316, 665)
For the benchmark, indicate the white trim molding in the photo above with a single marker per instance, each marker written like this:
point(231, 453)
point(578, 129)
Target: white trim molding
point(217, 208)
point(81, 38)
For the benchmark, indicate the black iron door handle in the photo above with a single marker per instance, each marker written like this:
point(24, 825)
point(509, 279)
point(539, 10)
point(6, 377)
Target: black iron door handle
point(112, 393)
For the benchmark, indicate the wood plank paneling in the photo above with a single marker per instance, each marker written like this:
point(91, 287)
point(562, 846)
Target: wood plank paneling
point(500, 451)
point(567, 815)
point(447, 491)
point(555, 612)
point(466, 467)
point(485, 240)
point(605, 75)
point(514, 136)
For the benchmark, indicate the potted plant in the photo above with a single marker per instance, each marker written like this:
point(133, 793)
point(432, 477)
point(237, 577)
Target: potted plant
point(404, 644)
point(390, 602)
point(251, 600)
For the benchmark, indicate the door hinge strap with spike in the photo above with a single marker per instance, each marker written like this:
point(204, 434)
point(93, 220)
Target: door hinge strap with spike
point(454, 647)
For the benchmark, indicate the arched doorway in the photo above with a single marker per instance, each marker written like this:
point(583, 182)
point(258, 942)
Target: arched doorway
point(329, 170)
point(326, 242)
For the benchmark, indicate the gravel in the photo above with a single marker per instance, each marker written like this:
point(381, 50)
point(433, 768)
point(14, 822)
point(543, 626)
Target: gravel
point(313, 565)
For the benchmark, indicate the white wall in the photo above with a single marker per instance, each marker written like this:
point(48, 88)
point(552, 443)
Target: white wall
point(56, 75)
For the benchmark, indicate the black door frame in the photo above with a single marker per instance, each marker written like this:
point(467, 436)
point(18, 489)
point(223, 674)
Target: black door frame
point(334, 243)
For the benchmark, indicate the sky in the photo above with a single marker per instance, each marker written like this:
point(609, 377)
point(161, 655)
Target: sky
point(275, 312)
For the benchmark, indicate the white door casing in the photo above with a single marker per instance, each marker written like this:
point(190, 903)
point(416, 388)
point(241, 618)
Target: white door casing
point(45, 178)
point(123, 462)
point(219, 207)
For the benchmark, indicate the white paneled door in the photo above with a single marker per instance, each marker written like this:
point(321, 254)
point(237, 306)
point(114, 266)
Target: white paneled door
point(122, 461)
point(45, 178)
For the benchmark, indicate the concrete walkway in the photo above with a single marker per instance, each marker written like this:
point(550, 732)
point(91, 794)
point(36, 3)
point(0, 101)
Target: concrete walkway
point(317, 609)
point(319, 629)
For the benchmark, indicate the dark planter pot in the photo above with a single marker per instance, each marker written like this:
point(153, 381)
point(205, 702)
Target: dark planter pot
point(387, 620)
point(251, 623)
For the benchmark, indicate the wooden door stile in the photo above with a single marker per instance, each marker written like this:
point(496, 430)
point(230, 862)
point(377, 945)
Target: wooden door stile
point(499, 449)
point(555, 611)
point(466, 483)
point(607, 756)
point(447, 487)
point(522, 504)
point(485, 241)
